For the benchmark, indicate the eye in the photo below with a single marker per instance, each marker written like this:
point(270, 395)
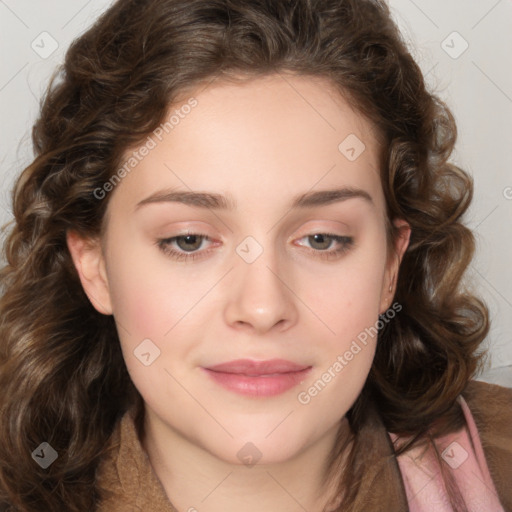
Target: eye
point(321, 244)
point(183, 247)
point(187, 246)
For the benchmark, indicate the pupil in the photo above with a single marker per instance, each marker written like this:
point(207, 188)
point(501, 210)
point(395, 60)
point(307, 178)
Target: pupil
point(193, 240)
point(322, 240)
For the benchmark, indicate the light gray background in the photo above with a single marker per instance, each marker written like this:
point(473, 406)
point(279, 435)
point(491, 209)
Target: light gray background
point(475, 81)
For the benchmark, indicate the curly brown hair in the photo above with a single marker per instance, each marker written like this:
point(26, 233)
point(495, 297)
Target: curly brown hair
point(62, 373)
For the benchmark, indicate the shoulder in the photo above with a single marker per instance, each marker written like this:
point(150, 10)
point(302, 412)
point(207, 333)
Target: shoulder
point(477, 390)
point(125, 479)
point(491, 408)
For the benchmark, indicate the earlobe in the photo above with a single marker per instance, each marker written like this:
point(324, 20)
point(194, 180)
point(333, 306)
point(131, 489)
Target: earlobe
point(90, 265)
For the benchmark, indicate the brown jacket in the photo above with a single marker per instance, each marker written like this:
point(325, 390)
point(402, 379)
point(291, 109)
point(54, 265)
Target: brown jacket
point(128, 479)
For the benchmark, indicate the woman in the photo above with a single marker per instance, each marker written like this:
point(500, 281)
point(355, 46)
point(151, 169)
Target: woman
point(234, 277)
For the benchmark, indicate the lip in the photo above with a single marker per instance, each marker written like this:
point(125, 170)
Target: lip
point(258, 378)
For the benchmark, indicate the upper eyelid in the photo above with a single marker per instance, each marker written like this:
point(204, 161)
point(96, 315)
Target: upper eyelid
point(303, 227)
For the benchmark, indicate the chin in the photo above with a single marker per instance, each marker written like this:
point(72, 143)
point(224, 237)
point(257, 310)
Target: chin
point(258, 450)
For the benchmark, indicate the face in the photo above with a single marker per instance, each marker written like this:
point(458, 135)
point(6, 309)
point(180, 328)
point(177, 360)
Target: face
point(247, 315)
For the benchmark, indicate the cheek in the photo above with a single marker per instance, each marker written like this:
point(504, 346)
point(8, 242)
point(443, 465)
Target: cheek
point(154, 300)
point(349, 308)
point(348, 303)
point(147, 304)
point(348, 299)
point(149, 294)
point(139, 307)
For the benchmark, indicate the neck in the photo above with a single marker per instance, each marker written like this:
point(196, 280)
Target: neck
point(195, 480)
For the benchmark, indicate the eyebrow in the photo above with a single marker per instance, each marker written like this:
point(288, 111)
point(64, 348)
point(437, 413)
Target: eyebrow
point(221, 202)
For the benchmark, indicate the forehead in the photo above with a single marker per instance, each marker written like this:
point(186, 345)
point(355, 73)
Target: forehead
point(272, 137)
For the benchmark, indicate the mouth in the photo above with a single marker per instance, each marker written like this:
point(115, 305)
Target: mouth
point(258, 378)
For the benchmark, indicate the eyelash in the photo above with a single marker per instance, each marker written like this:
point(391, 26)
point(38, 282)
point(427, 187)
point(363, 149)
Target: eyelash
point(164, 245)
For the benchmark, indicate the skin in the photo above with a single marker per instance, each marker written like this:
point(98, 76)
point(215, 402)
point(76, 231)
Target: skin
point(263, 143)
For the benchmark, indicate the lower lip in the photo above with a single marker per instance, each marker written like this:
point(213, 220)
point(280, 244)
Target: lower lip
point(269, 385)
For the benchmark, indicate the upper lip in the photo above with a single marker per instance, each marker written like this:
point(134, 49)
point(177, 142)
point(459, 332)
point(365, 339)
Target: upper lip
point(255, 368)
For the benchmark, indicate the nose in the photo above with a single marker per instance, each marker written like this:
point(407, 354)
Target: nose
point(260, 296)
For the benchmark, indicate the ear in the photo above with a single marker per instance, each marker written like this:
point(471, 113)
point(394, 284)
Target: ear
point(393, 264)
point(89, 262)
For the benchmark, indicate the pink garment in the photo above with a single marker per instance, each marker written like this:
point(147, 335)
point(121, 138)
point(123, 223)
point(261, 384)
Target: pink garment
point(463, 454)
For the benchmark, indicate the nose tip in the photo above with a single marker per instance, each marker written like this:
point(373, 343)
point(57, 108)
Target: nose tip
point(258, 299)
point(261, 323)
